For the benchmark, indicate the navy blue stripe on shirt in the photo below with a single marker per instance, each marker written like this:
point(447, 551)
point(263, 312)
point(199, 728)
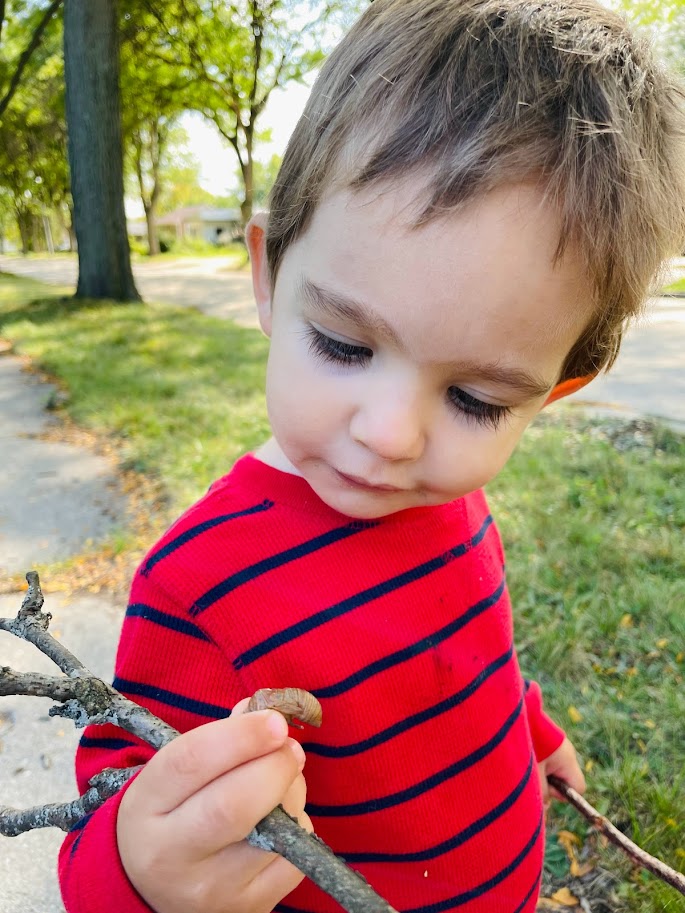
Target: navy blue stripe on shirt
point(80, 824)
point(140, 610)
point(344, 751)
point(535, 887)
point(109, 744)
point(273, 561)
point(354, 602)
point(459, 899)
point(180, 701)
point(452, 842)
point(406, 653)
point(418, 789)
point(197, 530)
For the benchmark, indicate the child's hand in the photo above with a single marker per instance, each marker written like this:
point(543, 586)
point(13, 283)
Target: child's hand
point(182, 822)
point(564, 764)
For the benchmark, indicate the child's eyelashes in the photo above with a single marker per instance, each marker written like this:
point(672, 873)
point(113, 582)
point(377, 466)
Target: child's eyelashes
point(328, 349)
point(477, 410)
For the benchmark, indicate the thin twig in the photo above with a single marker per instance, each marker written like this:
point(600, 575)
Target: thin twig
point(612, 833)
point(104, 785)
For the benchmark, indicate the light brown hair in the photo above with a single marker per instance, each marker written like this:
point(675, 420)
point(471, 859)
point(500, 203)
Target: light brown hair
point(482, 93)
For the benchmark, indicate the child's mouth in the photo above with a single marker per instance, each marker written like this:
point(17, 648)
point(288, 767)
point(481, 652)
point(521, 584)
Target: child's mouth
point(356, 482)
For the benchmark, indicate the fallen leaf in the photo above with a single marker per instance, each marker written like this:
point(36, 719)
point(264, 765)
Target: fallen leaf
point(662, 642)
point(580, 870)
point(568, 840)
point(546, 905)
point(626, 621)
point(574, 714)
point(564, 896)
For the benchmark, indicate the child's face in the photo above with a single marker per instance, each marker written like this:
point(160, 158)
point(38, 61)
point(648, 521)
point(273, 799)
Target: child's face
point(405, 365)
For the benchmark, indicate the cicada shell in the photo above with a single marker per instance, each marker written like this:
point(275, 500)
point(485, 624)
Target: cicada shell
point(293, 703)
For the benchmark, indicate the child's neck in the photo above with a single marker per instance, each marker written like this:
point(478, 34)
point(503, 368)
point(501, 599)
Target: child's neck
point(271, 454)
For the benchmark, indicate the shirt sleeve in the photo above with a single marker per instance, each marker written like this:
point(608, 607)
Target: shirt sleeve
point(546, 735)
point(168, 664)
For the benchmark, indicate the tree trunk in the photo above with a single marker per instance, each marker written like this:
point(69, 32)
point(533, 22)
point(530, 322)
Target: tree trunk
point(246, 204)
point(152, 237)
point(91, 63)
point(24, 226)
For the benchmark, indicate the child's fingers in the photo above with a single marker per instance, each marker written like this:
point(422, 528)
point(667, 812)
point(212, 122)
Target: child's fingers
point(272, 884)
point(294, 801)
point(227, 809)
point(190, 762)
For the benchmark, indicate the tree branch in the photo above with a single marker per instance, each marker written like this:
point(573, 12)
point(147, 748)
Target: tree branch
point(3, 4)
point(27, 53)
point(612, 833)
point(87, 699)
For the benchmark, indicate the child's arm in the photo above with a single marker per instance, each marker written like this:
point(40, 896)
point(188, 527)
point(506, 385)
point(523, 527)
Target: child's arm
point(182, 823)
point(554, 752)
point(564, 764)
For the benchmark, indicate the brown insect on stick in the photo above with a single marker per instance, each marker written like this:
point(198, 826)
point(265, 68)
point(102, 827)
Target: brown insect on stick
point(293, 703)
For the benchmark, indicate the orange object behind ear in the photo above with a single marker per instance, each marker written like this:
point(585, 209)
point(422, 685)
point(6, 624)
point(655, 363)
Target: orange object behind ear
point(567, 387)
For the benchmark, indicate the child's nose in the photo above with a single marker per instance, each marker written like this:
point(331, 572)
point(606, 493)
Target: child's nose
point(392, 428)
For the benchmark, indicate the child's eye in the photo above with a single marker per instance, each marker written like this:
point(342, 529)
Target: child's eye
point(342, 353)
point(475, 409)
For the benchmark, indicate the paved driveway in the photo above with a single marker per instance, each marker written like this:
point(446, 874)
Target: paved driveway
point(204, 282)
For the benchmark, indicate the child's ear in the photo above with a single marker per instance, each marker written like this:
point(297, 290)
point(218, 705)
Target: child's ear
point(566, 387)
point(255, 238)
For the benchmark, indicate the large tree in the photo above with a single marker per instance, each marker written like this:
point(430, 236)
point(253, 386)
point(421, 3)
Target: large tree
point(239, 52)
point(154, 92)
point(33, 167)
point(91, 60)
point(22, 29)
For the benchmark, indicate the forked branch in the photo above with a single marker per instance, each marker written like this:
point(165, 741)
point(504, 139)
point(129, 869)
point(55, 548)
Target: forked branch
point(86, 699)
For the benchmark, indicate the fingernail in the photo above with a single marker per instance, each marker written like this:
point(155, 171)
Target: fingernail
point(298, 751)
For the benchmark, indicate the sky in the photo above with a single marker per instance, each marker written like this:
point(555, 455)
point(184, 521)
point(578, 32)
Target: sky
point(218, 160)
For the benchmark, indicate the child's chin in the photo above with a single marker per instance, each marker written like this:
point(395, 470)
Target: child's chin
point(363, 505)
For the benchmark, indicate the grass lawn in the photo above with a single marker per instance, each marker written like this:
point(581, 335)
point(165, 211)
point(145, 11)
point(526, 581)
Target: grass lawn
point(675, 288)
point(592, 515)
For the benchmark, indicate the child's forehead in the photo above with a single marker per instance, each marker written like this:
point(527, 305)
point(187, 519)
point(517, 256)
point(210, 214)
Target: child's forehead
point(372, 236)
point(465, 281)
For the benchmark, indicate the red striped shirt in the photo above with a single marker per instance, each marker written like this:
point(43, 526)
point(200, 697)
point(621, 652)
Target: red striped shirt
point(423, 775)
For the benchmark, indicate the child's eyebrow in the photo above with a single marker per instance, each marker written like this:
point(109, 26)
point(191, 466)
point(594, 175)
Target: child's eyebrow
point(336, 305)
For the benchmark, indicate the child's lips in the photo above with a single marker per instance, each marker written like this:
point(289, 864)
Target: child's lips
point(357, 482)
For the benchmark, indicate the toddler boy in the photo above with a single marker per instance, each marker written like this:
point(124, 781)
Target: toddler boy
point(477, 197)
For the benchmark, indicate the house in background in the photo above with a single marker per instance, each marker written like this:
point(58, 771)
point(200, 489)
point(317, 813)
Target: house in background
point(191, 223)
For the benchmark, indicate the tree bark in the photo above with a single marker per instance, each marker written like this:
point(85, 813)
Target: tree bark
point(91, 63)
point(152, 236)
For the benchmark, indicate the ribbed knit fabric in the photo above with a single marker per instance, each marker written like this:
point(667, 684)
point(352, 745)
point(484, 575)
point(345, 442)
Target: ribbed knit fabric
point(423, 775)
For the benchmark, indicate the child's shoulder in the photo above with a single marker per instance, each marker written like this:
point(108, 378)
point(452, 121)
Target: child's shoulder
point(243, 519)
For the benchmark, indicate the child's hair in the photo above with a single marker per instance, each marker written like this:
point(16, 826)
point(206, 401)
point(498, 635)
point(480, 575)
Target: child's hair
point(479, 93)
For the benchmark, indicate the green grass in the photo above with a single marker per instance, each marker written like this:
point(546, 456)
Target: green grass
point(181, 393)
point(675, 288)
point(592, 515)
